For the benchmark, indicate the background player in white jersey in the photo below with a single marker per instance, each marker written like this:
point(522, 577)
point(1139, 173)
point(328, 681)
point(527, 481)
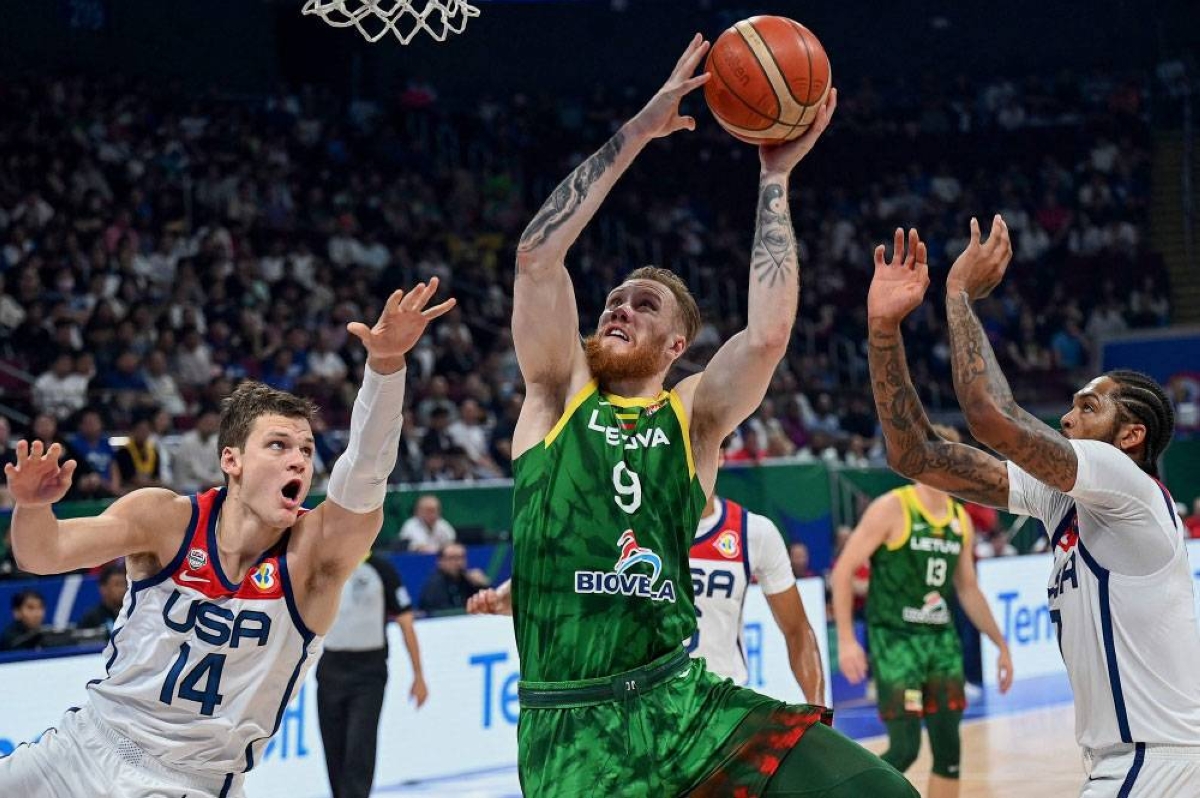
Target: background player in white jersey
point(733, 546)
point(1121, 595)
point(200, 664)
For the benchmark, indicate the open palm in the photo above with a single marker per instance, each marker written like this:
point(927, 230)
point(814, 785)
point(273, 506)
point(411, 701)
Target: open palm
point(898, 286)
point(661, 115)
point(403, 320)
point(37, 478)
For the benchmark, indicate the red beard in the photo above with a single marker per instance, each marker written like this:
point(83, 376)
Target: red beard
point(609, 367)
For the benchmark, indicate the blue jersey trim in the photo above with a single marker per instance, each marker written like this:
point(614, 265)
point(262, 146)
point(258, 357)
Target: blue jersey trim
point(226, 786)
point(1110, 647)
point(289, 595)
point(214, 554)
point(746, 544)
point(717, 526)
point(1139, 757)
point(173, 566)
point(1061, 529)
point(1170, 505)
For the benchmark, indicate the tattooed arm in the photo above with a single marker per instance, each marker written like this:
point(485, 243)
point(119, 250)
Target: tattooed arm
point(913, 448)
point(983, 393)
point(545, 317)
point(737, 377)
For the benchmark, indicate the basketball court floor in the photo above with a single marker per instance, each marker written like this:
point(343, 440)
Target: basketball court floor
point(1017, 746)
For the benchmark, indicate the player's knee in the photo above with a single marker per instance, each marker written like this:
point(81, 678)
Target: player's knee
point(904, 743)
point(945, 743)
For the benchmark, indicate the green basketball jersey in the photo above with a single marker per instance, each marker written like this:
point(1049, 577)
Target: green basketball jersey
point(912, 579)
point(604, 511)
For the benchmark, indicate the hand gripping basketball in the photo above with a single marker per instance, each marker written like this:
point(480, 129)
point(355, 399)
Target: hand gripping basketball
point(661, 117)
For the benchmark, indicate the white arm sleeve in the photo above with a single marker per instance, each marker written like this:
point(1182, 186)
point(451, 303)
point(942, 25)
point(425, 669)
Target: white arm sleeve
point(359, 478)
point(769, 561)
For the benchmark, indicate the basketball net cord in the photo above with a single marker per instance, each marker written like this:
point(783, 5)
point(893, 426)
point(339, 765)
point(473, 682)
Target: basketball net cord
point(402, 18)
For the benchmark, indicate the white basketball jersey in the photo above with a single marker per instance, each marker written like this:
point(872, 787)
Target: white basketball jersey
point(1130, 642)
point(199, 667)
point(732, 548)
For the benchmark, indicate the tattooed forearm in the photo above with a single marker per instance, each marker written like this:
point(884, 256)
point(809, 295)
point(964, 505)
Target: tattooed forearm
point(774, 257)
point(914, 449)
point(570, 194)
point(982, 388)
point(904, 422)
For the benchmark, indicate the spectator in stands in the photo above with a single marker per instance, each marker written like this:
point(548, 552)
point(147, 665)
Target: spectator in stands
point(798, 554)
point(502, 433)
point(112, 585)
point(751, 450)
point(60, 391)
point(471, 434)
point(452, 583)
point(97, 474)
point(25, 631)
point(196, 463)
point(426, 531)
point(139, 460)
point(164, 391)
point(7, 455)
point(437, 440)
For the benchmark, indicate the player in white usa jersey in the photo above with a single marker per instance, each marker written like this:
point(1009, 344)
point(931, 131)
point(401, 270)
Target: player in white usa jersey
point(733, 546)
point(1121, 590)
point(231, 591)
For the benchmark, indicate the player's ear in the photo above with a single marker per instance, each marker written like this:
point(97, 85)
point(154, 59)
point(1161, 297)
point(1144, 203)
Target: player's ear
point(231, 461)
point(1130, 436)
point(678, 345)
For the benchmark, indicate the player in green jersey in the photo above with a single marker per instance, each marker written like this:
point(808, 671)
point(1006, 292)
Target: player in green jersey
point(918, 540)
point(610, 474)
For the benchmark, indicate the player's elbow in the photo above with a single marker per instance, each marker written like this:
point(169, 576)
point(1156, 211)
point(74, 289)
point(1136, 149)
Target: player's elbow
point(768, 342)
point(535, 261)
point(902, 463)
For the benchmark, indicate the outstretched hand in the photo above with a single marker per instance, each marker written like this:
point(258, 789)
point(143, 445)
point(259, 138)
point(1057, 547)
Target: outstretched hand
point(898, 286)
point(400, 326)
point(981, 266)
point(491, 601)
point(37, 478)
point(661, 117)
point(782, 158)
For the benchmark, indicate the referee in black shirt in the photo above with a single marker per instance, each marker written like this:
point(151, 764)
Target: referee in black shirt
point(352, 673)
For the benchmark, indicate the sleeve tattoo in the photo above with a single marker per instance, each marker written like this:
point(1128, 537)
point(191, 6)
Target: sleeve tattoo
point(914, 448)
point(774, 256)
point(1030, 443)
point(566, 199)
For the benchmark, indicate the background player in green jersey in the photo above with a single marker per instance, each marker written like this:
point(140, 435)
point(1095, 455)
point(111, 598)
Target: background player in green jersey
point(918, 540)
point(610, 474)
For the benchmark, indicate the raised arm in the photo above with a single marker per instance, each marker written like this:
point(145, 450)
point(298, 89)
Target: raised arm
point(545, 318)
point(983, 393)
point(42, 544)
point(333, 539)
point(913, 448)
point(737, 377)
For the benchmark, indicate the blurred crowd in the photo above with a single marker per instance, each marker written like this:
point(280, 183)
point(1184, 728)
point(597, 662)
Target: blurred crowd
point(157, 247)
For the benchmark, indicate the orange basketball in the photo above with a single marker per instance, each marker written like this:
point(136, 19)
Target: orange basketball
point(769, 77)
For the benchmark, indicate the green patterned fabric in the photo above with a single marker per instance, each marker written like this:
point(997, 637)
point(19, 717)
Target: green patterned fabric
point(603, 517)
point(917, 674)
point(912, 580)
point(685, 736)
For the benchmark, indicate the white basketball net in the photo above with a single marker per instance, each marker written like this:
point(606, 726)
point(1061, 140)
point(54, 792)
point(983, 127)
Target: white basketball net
point(402, 18)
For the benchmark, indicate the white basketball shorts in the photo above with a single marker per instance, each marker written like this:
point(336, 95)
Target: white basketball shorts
point(1142, 771)
point(84, 759)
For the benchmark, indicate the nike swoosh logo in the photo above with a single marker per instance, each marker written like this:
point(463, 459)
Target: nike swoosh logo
point(188, 578)
point(685, 674)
